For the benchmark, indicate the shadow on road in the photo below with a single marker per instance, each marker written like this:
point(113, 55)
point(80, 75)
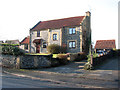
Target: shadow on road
point(111, 64)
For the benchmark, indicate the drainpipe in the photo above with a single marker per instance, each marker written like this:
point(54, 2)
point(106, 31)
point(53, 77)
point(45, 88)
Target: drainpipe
point(30, 40)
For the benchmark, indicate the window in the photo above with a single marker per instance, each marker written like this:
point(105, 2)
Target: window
point(72, 31)
point(26, 46)
point(38, 33)
point(72, 44)
point(44, 45)
point(54, 36)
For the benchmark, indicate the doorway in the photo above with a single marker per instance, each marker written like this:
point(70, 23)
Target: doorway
point(38, 48)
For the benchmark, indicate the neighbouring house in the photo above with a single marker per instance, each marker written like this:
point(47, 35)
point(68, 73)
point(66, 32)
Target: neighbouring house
point(12, 41)
point(105, 45)
point(74, 33)
point(24, 44)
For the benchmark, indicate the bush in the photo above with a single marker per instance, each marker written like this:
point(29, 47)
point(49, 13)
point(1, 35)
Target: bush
point(63, 58)
point(63, 49)
point(11, 50)
point(73, 56)
point(55, 49)
point(0, 49)
point(89, 56)
point(5, 44)
point(81, 56)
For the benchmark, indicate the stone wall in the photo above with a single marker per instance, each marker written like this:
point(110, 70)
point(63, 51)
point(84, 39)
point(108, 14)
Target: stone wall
point(26, 62)
point(54, 31)
point(66, 37)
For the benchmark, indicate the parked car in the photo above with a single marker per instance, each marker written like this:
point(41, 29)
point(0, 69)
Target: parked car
point(101, 53)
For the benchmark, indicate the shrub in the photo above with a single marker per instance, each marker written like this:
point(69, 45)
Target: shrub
point(63, 49)
point(0, 49)
point(6, 44)
point(89, 56)
point(55, 49)
point(73, 56)
point(11, 50)
point(81, 56)
point(63, 58)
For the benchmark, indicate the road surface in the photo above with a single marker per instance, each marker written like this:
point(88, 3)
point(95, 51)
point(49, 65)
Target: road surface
point(68, 76)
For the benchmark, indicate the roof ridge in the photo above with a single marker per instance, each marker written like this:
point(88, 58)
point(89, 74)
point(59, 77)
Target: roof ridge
point(58, 23)
point(107, 40)
point(62, 18)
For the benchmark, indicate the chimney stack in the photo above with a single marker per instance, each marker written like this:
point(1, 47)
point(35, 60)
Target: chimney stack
point(88, 13)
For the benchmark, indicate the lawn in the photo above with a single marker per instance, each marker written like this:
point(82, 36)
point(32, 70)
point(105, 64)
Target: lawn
point(54, 55)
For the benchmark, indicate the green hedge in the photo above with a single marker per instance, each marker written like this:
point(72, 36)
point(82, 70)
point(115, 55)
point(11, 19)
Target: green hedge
point(81, 56)
point(11, 50)
point(63, 58)
point(55, 49)
point(5, 44)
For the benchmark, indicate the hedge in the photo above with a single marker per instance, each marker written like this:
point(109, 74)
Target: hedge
point(12, 50)
point(6, 44)
point(55, 49)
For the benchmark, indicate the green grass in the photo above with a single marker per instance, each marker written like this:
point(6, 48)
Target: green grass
point(36, 54)
point(56, 55)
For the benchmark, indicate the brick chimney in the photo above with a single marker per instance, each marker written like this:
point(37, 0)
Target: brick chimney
point(88, 13)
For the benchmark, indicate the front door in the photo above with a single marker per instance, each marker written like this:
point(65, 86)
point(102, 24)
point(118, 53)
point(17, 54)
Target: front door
point(37, 48)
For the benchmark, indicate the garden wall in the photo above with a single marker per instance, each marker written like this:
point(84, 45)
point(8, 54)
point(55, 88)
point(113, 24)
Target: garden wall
point(26, 61)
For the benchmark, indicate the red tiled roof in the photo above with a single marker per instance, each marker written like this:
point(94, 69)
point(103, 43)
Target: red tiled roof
point(105, 44)
point(58, 23)
point(25, 40)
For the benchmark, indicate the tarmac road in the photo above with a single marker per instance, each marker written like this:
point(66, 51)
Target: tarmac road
point(57, 77)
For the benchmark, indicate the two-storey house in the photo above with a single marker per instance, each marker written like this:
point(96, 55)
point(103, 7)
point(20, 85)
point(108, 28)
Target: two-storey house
point(74, 33)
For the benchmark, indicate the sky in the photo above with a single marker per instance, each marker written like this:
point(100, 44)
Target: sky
point(17, 17)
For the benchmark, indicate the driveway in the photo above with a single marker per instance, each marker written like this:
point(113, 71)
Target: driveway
point(72, 75)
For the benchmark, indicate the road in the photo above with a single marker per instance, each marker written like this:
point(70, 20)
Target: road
point(68, 76)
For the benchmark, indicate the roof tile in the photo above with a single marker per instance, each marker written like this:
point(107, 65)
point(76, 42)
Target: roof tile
point(105, 44)
point(25, 40)
point(58, 23)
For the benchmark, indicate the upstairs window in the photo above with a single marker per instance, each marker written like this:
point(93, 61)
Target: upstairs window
point(54, 37)
point(72, 31)
point(38, 33)
point(72, 44)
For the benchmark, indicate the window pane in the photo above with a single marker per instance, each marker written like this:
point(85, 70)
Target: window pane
point(70, 44)
point(73, 44)
point(54, 36)
point(73, 30)
point(70, 30)
point(38, 33)
point(44, 45)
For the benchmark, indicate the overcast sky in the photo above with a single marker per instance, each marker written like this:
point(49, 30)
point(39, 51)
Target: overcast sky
point(18, 16)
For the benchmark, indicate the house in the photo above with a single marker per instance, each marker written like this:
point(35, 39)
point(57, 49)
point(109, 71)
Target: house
point(12, 41)
point(74, 33)
point(24, 44)
point(105, 45)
